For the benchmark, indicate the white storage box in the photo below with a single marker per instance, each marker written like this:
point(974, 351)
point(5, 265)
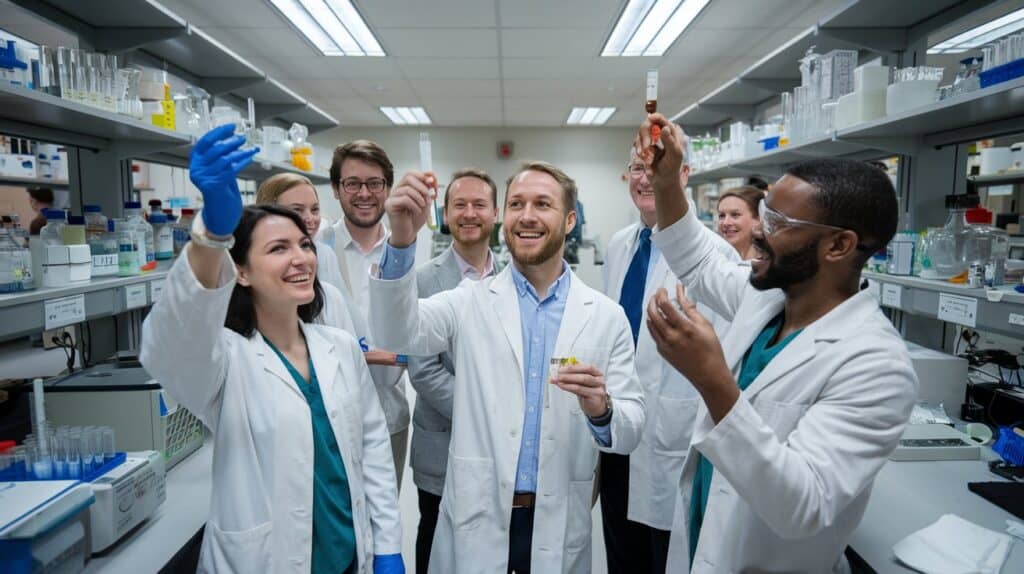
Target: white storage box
point(63, 264)
point(125, 496)
point(942, 378)
point(42, 526)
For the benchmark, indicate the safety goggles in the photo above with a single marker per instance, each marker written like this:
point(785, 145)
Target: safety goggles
point(772, 221)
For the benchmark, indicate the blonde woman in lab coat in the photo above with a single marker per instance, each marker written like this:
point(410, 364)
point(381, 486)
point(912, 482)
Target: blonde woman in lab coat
point(302, 472)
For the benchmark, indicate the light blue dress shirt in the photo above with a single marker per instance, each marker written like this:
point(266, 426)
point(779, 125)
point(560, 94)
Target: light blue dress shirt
point(540, 322)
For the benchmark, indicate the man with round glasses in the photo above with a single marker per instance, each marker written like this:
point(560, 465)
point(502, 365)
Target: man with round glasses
point(807, 394)
point(361, 177)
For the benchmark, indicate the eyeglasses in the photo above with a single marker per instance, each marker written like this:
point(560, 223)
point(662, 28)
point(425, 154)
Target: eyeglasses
point(636, 170)
point(352, 185)
point(772, 221)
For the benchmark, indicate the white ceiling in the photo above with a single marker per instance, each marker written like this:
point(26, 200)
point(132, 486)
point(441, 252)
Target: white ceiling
point(502, 62)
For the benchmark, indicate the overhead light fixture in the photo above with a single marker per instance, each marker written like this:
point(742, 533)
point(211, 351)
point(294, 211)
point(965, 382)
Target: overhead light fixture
point(333, 26)
point(589, 116)
point(650, 27)
point(981, 35)
point(406, 116)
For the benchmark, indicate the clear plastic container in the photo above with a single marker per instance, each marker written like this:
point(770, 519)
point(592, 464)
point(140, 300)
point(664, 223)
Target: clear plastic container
point(133, 215)
point(73, 232)
point(183, 229)
point(95, 222)
point(162, 235)
point(15, 263)
point(131, 248)
point(948, 248)
point(104, 250)
point(50, 233)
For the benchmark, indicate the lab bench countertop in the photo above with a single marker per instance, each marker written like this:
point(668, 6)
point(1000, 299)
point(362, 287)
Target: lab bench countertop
point(909, 496)
point(150, 546)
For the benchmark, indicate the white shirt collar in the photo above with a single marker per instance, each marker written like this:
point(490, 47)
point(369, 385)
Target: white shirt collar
point(466, 269)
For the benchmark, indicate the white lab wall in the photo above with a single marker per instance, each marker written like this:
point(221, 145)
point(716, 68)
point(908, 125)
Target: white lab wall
point(595, 157)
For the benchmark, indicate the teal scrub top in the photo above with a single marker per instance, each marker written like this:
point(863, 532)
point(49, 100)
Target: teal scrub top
point(334, 535)
point(757, 358)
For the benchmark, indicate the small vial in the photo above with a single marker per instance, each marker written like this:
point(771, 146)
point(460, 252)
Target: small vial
point(427, 167)
point(652, 91)
point(108, 444)
point(74, 465)
point(85, 449)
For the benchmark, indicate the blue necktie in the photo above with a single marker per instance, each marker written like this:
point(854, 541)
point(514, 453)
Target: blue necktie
point(632, 296)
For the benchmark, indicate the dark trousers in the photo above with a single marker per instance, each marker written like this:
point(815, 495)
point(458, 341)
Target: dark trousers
point(520, 538)
point(630, 547)
point(429, 507)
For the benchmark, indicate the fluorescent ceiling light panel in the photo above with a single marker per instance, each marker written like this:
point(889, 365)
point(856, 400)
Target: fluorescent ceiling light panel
point(981, 35)
point(333, 26)
point(650, 27)
point(405, 116)
point(589, 116)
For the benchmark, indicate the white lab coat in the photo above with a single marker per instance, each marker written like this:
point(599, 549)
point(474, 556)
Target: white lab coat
point(657, 463)
point(478, 323)
point(261, 505)
point(796, 456)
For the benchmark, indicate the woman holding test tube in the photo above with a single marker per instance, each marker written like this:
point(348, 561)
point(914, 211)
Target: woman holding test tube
point(302, 475)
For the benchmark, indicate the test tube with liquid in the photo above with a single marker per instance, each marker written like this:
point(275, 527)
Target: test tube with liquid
point(427, 167)
point(651, 105)
point(74, 438)
point(85, 449)
point(108, 444)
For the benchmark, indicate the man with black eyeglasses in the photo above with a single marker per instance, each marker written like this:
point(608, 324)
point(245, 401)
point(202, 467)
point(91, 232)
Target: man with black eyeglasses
point(361, 178)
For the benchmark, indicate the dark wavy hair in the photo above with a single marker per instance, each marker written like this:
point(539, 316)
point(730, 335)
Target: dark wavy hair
point(241, 310)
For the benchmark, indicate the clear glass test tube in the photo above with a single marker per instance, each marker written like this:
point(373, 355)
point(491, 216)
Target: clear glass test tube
point(108, 444)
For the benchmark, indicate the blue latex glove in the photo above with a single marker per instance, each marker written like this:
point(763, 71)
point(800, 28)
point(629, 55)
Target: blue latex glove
point(388, 564)
point(213, 168)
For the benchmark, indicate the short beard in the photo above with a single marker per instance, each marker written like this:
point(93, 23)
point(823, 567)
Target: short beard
point(363, 224)
point(786, 270)
point(548, 250)
point(484, 238)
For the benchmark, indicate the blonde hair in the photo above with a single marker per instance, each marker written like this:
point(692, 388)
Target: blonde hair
point(567, 183)
point(274, 186)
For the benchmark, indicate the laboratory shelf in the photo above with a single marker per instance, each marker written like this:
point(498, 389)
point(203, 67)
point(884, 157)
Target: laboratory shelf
point(32, 181)
point(1007, 178)
point(24, 312)
point(879, 26)
point(718, 173)
point(258, 170)
point(996, 308)
point(34, 114)
point(310, 116)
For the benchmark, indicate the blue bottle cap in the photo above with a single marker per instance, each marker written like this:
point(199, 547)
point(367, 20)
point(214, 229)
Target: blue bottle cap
point(91, 209)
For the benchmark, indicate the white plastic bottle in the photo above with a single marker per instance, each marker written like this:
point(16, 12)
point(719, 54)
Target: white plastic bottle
point(133, 213)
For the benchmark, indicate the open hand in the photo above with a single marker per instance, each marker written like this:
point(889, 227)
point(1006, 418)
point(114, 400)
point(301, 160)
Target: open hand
point(686, 339)
point(213, 168)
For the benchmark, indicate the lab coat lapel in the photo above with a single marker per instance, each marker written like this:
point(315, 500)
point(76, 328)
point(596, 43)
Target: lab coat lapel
point(325, 363)
point(579, 307)
point(273, 364)
point(505, 302)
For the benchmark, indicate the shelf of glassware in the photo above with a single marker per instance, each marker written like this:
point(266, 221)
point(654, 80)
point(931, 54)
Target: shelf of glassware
point(1006, 178)
point(38, 115)
point(999, 309)
point(258, 170)
point(25, 312)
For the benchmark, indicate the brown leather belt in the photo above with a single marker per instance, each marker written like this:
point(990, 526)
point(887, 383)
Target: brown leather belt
point(524, 500)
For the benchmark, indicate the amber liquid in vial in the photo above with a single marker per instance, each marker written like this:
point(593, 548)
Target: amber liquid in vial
point(651, 106)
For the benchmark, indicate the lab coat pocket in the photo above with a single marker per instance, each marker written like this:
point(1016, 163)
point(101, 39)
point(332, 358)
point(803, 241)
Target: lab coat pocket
point(238, 551)
point(473, 488)
point(577, 531)
point(673, 425)
point(429, 450)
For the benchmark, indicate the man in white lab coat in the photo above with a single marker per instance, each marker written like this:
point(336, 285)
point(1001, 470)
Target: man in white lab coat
point(525, 437)
point(807, 394)
point(638, 491)
point(361, 178)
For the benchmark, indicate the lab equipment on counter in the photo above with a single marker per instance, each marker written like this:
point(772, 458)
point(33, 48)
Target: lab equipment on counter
point(182, 229)
point(301, 150)
point(131, 248)
point(427, 167)
point(942, 378)
point(867, 100)
point(934, 442)
point(43, 526)
point(50, 233)
point(73, 232)
point(162, 236)
point(95, 221)
point(133, 216)
point(946, 254)
point(15, 264)
point(125, 496)
point(129, 401)
point(911, 88)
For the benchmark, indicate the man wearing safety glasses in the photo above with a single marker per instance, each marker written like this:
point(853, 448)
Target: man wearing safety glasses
point(807, 393)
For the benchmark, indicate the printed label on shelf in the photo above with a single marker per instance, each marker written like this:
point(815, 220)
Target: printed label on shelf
point(875, 288)
point(156, 289)
point(892, 295)
point(1017, 319)
point(135, 296)
point(959, 310)
point(64, 311)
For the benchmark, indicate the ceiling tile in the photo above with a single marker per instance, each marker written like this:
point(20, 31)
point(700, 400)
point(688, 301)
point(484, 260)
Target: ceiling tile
point(432, 14)
point(390, 89)
point(440, 42)
point(544, 43)
point(258, 14)
point(449, 68)
point(599, 14)
point(461, 88)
